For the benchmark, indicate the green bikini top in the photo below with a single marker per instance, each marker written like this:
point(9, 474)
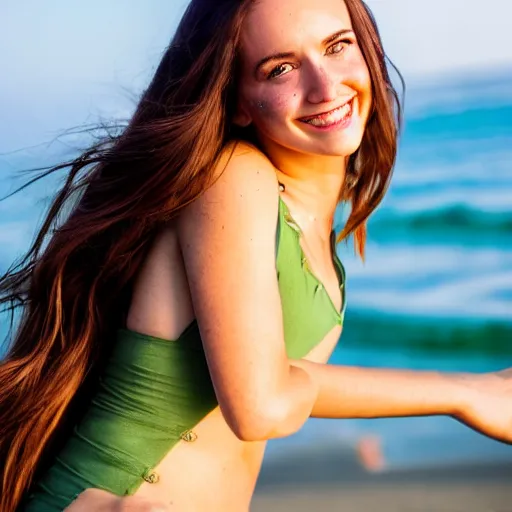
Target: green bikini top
point(308, 311)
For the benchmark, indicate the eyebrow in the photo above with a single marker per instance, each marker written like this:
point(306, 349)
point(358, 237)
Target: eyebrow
point(287, 55)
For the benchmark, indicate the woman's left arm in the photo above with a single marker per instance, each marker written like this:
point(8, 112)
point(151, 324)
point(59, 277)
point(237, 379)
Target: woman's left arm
point(358, 392)
point(482, 401)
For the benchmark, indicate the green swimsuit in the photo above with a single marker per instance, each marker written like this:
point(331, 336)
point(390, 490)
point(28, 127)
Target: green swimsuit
point(154, 391)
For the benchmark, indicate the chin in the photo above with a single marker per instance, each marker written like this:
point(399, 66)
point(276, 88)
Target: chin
point(327, 144)
point(346, 147)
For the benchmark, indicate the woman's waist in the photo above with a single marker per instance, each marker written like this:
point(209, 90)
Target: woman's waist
point(224, 481)
point(210, 466)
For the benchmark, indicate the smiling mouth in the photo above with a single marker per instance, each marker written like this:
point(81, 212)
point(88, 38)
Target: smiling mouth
point(338, 115)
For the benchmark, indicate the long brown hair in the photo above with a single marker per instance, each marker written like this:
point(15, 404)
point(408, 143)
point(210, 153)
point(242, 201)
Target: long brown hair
point(370, 168)
point(74, 284)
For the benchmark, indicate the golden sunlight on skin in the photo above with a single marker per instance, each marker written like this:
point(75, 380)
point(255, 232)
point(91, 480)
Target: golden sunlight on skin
point(316, 76)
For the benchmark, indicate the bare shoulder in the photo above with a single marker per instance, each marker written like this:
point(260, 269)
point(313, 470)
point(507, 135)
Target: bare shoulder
point(242, 153)
point(242, 173)
point(243, 199)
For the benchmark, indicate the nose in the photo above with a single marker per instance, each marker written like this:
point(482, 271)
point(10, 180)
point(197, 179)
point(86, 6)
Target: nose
point(323, 86)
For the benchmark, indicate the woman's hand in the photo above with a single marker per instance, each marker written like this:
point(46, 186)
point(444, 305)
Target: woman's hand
point(103, 501)
point(486, 404)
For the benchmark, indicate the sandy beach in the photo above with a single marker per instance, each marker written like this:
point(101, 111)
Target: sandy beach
point(332, 479)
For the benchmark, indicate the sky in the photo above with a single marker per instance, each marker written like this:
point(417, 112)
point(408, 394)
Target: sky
point(66, 63)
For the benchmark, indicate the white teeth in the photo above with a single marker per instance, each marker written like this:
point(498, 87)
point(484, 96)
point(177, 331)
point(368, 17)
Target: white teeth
point(333, 117)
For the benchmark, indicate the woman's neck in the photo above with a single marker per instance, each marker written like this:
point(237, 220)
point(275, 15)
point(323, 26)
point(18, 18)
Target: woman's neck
point(312, 184)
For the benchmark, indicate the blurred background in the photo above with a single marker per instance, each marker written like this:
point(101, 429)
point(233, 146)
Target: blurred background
point(436, 289)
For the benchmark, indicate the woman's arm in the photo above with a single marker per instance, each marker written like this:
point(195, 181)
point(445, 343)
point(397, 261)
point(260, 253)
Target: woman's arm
point(227, 237)
point(482, 401)
point(353, 392)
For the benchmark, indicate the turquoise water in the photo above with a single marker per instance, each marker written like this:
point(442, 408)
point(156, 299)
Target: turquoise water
point(436, 289)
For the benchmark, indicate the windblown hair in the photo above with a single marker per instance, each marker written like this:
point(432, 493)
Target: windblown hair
point(74, 285)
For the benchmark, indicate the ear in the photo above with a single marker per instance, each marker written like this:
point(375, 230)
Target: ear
point(242, 118)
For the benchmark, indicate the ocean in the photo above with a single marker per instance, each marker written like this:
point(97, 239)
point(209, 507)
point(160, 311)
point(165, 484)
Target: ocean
point(435, 291)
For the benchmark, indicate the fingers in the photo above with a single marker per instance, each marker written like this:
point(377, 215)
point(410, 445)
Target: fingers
point(94, 499)
point(103, 501)
point(134, 504)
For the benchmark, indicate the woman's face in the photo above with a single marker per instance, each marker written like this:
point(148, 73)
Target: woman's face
point(304, 83)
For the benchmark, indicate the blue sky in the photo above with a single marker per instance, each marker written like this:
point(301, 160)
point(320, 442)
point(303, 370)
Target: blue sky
point(64, 63)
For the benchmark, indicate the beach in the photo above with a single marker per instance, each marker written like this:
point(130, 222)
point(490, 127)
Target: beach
point(332, 479)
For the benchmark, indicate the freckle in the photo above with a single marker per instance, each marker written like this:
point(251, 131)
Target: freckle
point(281, 100)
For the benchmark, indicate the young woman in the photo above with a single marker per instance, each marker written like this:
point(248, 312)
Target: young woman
point(182, 313)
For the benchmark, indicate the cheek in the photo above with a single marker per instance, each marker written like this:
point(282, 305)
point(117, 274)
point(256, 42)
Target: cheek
point(272, 105)
point(361, 74)
point(365, 85)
